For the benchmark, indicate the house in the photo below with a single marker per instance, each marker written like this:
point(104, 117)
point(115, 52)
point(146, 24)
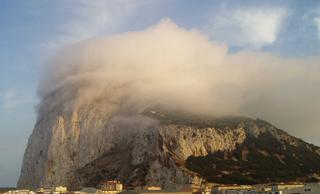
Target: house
point(111, 187)
point(59, 190)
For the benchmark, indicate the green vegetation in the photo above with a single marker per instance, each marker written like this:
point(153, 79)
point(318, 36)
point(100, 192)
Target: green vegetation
point(268, 160)
point(194, 120)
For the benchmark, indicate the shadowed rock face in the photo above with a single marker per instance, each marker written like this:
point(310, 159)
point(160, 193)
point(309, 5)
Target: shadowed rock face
point(84, 146)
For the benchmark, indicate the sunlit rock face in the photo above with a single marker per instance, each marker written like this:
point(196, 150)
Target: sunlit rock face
point(92, 143)
point(137, 147)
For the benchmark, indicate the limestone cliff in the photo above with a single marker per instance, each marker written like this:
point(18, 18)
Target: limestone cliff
point(85, 146)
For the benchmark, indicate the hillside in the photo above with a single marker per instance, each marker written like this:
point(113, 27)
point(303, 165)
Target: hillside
point(166, 148)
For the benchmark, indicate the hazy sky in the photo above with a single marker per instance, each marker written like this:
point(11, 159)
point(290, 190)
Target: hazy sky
point(31, 31)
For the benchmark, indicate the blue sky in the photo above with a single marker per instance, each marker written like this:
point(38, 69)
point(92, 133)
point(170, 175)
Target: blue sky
point(31, 31)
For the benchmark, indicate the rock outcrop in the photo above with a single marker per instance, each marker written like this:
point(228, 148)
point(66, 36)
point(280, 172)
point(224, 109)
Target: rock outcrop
point(85, 146)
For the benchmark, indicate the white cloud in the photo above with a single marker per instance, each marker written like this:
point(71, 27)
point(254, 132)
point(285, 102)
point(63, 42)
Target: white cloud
point(177, 68)
point(314, 16)
point(88, 19)
point(317, 23)
point(254, 27)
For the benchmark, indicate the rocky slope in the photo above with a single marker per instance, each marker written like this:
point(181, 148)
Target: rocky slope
point(83, 146)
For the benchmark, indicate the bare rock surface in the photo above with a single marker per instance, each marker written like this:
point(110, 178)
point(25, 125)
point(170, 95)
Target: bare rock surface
point(89, 144)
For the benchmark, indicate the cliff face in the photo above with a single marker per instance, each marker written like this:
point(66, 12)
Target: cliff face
point(85, 145)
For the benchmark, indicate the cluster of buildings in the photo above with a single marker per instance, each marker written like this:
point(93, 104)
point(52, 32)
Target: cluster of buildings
point(115, 187)
point(282, 188)
point(108, 187)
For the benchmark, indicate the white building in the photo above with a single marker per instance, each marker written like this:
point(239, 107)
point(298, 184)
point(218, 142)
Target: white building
point(21, 191)
point(280, 187)
point(276, 189)
point(60, 189)
point(305, 189)
point(230, 189)
point(53, 190)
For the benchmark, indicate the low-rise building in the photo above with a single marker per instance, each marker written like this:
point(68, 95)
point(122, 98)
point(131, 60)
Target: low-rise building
point(60, 189)
point(52, 190)
point(152, 188)
point(305, 189)
point(284, 186)
point(42, 190)
point(230, 189)
point(296, 188)
point(20, 191)
point(155, 192)
point(206, 190)
point(111, 187)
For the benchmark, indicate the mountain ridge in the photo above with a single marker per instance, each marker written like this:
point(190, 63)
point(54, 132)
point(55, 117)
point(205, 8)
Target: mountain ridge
point(165, 148)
